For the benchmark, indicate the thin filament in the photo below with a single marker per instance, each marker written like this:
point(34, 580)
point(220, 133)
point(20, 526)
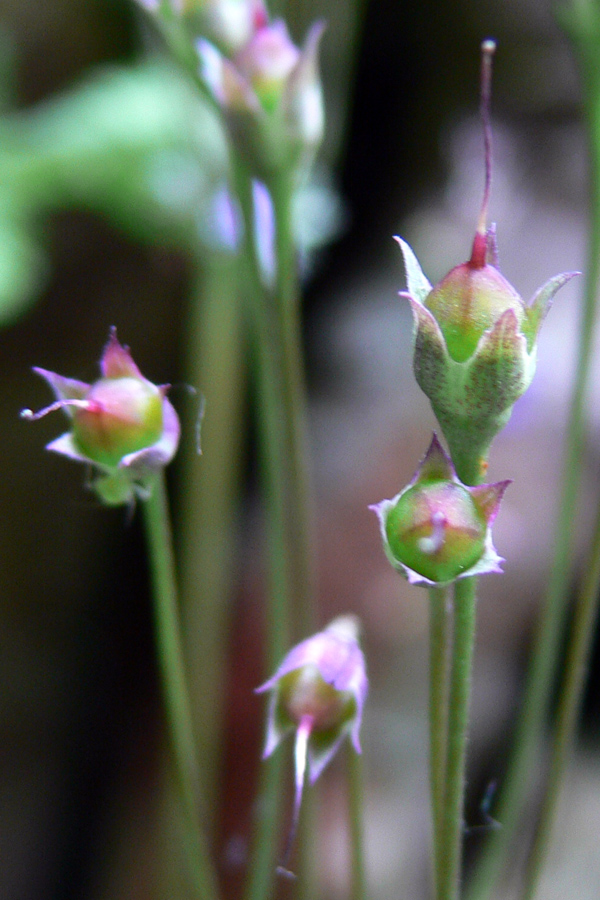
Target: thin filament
point(32, 416)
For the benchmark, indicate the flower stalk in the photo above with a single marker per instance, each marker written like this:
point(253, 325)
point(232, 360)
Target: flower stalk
point(174, 684)
point(440, 635)
point(354, 762)
point(450, 852)
point(273, 462)
point(207, 508)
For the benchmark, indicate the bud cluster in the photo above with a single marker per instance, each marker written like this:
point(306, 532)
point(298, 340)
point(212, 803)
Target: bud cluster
point(268, 89)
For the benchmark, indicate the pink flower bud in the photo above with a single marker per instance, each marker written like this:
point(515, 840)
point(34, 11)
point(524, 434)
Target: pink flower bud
point(122, 424)
point(267, 61)
point(270, 94)
point(318, 691)
point(323, 679)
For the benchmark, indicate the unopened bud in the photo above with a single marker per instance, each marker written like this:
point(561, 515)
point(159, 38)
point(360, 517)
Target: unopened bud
point(437, 529)
point(475, 338)
point(122, 424)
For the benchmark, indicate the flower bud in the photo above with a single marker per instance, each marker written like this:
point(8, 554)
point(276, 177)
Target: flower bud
point(475, 338)
point(271, 97)
point(266, 61)
point(120, 416)
point(122, 424)
point(318, 691)
point(437, 529)
point(323, 679)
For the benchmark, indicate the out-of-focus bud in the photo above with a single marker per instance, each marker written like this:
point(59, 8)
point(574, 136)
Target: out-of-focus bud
point(229, 24)
point(437, 529)
point(318, 691)
point(266, 61)
point(271, 97)
point(122, 424)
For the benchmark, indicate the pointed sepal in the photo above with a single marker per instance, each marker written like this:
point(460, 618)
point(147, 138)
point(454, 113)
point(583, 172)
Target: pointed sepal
point(540, 303)
point(116, 361)
point(416, 281)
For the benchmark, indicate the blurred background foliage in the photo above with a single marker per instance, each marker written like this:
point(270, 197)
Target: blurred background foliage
point(109, 167)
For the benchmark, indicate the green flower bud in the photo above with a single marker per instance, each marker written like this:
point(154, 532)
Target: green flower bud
point(437, 529)
point(475, 349)
point(475, 338)
point(121, 416)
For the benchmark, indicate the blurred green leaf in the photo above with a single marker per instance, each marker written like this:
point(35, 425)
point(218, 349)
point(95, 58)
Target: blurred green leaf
point(137, 146)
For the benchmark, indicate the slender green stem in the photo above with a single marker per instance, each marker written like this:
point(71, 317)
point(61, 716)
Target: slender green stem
point(273, 460)
point(576, 670)
point(449, 867)
point(172, 672)
point(267, 829)
point(306, 885)
point(546, 651)
point(358, 889)
point(272, 433)
point(287, 307)
point(215, 364)
point(273, 317)
point(439, 685)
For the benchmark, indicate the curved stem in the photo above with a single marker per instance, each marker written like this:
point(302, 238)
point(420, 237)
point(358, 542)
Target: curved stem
point(576, 670)
point(536, 702)
point(172, 673)
point(439, 685)
point(449, 865)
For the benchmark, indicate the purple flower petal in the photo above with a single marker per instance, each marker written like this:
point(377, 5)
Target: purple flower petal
point(116, 361)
